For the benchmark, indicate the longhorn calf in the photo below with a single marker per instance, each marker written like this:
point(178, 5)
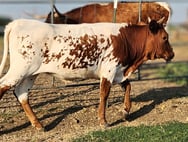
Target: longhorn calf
point(107, 51)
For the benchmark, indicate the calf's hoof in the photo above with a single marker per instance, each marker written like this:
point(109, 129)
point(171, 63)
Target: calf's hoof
point(39, 127)
point(104, 126)
point(124, 114)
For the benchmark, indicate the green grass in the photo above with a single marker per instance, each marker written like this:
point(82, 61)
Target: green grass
point(170, 132)
point(175, 70)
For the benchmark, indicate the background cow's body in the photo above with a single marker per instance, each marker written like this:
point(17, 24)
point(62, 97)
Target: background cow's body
point(107, 51)
point(127, 12)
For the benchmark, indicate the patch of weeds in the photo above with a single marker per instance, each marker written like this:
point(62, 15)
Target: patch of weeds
point(170, 132)
point(175, 73)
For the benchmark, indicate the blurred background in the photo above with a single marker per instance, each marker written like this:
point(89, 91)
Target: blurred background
point(15, 9)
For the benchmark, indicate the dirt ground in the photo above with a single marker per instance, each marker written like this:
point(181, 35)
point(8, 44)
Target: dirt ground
point(71, 112)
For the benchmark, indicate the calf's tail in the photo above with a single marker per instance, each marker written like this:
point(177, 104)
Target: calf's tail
point(6, 48)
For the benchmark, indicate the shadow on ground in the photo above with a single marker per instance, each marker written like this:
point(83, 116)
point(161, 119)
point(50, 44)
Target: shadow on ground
point(157, 96)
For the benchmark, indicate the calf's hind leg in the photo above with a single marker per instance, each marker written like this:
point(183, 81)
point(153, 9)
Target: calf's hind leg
point(127, 101)
point(21, 92)
point(3, 90)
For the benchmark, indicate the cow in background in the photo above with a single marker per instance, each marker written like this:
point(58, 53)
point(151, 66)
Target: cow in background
point(127, 12)
point(106, 51)
point(59, 18)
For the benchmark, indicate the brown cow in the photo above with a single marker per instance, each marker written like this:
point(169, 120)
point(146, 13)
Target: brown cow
point(127, 12)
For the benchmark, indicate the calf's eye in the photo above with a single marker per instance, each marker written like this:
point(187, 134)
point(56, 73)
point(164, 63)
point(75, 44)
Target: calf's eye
point(164, 38)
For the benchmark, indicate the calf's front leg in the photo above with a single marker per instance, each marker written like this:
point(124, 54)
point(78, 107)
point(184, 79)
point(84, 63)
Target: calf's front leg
point(105, 86)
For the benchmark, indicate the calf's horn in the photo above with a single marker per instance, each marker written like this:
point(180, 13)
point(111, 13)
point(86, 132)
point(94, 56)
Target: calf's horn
point(149, 19)
point(160, 21)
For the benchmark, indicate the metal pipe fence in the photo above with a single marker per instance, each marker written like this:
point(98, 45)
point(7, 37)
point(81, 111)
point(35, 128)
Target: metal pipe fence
point(150, 66)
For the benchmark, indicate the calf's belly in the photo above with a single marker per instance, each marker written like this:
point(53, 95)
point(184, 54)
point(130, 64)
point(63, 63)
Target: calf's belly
point(69, 74)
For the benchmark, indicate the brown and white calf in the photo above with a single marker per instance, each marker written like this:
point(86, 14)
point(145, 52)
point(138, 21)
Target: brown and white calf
point(107, 51)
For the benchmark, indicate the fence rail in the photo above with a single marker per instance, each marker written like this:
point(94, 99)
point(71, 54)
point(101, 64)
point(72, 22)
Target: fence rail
point(97, 83)
point(152, 66)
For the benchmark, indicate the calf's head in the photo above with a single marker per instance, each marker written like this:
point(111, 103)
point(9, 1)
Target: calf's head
point(157, 44)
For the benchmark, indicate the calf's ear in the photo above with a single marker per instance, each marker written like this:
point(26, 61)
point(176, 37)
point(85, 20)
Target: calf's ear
point(154, 26)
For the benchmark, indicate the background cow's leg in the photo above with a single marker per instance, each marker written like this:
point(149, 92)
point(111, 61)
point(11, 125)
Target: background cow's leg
point(127, 102)
point(105, 86)
point(21, 92)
